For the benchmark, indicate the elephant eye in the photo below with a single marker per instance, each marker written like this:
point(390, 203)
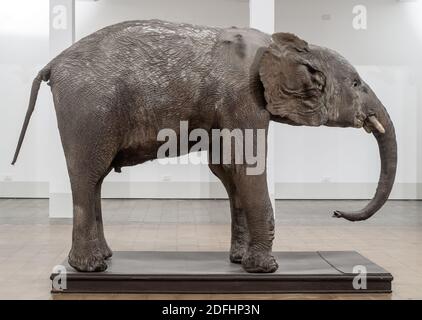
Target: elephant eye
point(356, 83)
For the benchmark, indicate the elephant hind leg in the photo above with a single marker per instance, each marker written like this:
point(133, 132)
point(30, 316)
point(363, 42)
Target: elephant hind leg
point(85, 254)
point(87, 167)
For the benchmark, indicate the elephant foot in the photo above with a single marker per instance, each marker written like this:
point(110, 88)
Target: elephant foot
point(105, 250)
point(86, 256)
point(237, 251)
point(259, 262)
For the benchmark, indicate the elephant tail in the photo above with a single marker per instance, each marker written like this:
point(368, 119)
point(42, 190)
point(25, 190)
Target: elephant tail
point(43, 75)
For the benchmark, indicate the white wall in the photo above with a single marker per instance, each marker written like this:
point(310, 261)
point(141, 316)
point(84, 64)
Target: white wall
point(344, 163)
point(90, 15)
point(24, 49)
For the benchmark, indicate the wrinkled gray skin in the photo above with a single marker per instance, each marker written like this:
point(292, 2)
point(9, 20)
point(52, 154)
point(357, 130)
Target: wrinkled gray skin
point(115, 89)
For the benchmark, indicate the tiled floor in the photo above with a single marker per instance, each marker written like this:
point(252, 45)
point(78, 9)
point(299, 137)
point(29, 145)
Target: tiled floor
point(31, 244)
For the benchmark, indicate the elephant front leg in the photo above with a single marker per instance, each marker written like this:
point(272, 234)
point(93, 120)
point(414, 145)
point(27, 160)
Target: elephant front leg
point(240, 233)
point(259, 215)
point(239, 228)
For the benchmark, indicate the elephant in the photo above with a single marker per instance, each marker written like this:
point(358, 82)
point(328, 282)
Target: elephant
point(116, 88)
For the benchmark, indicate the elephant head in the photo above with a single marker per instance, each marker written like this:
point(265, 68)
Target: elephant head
point(312, 86)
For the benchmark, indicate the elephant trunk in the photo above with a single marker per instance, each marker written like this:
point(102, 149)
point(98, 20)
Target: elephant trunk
point(383, 130)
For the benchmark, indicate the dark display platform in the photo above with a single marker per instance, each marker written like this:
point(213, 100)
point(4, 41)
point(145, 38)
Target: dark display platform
point(211, 272)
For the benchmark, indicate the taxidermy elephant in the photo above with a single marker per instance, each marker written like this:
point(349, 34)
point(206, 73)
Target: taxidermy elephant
point(115, 89)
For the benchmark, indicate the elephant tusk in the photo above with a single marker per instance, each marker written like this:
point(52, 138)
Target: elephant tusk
point(376, 124)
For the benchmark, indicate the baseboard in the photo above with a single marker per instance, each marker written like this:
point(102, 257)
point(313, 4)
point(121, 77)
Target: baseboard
point(24, 189)
point(213, 190)
point(344, 191)
point(164, 190)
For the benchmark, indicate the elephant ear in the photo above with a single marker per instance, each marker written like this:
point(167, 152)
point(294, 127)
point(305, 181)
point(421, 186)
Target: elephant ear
point(293, 85)
point(290, 41)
